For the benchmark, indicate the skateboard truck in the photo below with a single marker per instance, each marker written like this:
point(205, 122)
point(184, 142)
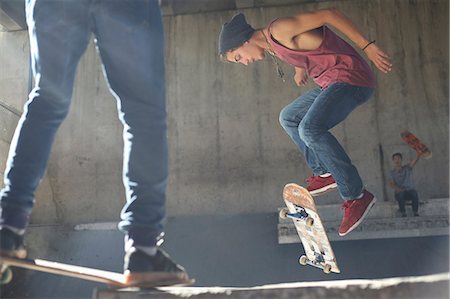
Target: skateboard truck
point(300, 214)
point(318, 262)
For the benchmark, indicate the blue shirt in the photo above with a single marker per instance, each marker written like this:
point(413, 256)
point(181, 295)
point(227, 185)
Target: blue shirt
point(403, 177)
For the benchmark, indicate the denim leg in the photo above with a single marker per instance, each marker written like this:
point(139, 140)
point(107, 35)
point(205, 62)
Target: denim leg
point(400, 197)
point(131, 45)
point(290, 118)
point(59, 35)
point(414, 197)
point(330, 108)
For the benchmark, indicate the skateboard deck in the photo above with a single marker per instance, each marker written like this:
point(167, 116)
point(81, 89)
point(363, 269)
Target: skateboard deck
point(119, 280)
point(416, 144)
point(302, 210)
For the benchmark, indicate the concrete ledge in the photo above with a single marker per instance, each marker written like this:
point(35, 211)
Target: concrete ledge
point(430, 286)
point(380, 228)
point(383, 209)
point(383, 222)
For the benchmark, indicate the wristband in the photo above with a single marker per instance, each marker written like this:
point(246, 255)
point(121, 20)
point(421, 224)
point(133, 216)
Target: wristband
point(368, 45)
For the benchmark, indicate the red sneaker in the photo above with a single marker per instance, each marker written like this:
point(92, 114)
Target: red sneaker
point(318, 185)
point(354, 212)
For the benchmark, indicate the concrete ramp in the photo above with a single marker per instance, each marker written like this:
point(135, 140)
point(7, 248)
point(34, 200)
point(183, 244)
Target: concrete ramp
point(430, 287)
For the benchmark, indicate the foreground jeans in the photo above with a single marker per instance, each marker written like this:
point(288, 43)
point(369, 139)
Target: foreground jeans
point(308, 119)
point(130, 41)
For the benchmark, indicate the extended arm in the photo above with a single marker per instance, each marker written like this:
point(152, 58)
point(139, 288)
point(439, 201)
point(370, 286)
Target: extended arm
point(290, 27)
point(414, 162)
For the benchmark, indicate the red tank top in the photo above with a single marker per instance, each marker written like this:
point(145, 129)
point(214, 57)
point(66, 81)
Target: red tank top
point(333, 61)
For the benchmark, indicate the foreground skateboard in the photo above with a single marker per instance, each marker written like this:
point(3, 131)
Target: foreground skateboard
point(302, 210)
point(416, 144)
point(151, 280)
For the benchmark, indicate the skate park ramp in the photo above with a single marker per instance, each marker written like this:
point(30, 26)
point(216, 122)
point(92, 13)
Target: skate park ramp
point(431, 286)
point(234, 255)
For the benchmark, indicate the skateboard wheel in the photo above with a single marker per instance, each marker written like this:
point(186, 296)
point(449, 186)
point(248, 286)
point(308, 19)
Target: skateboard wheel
point(303, 260)
point(309, 221)
point(7, 276)
point(327, 269)
point(283, 213)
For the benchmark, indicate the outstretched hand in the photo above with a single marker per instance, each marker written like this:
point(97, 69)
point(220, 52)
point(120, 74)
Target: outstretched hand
point(379, 58)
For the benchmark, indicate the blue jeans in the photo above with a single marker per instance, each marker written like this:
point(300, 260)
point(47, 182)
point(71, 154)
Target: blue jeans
point(308, 119)
point(130, 41)
point(403, 196)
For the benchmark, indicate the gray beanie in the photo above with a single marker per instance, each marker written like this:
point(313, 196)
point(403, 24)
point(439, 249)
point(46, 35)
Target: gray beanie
point(234, 33)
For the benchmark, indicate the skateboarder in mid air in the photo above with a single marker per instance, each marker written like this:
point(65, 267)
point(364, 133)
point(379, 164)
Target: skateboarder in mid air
point(345, 81)
point(130, 41)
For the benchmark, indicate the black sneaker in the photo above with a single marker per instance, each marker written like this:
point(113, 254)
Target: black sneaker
point(141, 269)
point(11, 244)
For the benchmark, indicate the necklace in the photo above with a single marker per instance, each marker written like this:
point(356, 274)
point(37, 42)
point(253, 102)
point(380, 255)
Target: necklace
point(274, 58)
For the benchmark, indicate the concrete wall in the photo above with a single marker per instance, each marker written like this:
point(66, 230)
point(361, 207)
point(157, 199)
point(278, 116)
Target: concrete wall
point(228, 152)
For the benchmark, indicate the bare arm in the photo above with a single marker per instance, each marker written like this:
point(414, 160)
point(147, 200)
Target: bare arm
point(290, 27)
point(414, 162)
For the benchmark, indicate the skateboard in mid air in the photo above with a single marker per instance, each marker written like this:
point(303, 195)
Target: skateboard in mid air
point(114, 279)
point(416, 144)
point(302, 210)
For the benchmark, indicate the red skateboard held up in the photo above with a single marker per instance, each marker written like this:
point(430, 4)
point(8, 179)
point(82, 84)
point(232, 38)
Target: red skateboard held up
point(416, 144)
